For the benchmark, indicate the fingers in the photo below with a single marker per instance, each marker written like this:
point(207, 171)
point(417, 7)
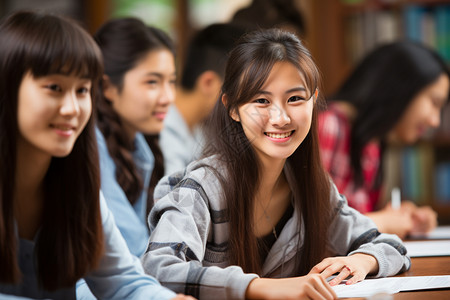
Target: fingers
point(329, 266)
point(344, 273)
point(326, 268)
point(183, 297)
point(319, 289)
point(356, 277)
point(425, 219)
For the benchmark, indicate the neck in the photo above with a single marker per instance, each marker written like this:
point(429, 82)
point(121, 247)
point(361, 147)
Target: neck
point(272, 178)
point(271, 200)
point(189, 105)
point(346, 108)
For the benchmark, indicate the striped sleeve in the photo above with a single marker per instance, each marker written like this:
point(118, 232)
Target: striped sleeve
point(181, 223)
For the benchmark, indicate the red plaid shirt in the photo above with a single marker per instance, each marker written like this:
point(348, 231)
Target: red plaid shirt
point(334, 139)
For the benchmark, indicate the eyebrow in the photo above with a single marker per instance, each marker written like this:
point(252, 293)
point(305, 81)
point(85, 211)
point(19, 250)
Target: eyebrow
point(157, 74)
point(295, 89)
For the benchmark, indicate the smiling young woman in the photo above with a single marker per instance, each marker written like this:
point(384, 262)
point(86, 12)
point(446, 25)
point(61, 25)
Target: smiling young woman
point(257, 216)
point(137, 88)
point(55, 227)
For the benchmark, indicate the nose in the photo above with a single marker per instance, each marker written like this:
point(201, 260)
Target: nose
point(435, 118)
point(168, 94)
point(278, 116)
point(70, 105)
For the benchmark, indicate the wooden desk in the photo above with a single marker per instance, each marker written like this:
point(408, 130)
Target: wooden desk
point(426, 266)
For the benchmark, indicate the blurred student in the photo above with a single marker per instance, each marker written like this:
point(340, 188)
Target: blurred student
point(246, 222)
point(137, 88)
point(393, 96)
point(55, 227)
point(181, 139)
point(283, 14)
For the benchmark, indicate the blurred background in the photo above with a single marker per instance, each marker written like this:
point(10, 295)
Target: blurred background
point(338, 34)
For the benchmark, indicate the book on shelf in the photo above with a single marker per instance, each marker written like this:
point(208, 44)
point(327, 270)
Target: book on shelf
point(417, 165)
point(424, 23)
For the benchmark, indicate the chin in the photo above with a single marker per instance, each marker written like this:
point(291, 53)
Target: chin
point(61, 152)
point(153, 131)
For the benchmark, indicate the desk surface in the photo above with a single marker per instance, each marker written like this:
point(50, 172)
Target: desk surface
point(426, 266)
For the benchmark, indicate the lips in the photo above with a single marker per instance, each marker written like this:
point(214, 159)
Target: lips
point(63, 130)
point(63, 127)
point(279, 135)
point(160, 115)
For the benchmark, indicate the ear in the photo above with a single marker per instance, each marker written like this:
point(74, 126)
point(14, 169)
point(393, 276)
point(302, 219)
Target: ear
point(233, 114)
point(209, 83)
point(316, 95)
point(109, 90)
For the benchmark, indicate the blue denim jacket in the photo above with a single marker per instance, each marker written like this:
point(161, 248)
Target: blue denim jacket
point(130, 219)
point(118, 276)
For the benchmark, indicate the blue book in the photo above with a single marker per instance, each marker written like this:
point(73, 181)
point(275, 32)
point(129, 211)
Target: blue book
point(412, 16)
point(442, 16)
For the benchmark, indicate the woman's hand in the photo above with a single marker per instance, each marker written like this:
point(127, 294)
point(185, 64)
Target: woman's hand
point(424, 218)
point(394, 221)
point(357, 266)
point(311, 286)
point(183, 297)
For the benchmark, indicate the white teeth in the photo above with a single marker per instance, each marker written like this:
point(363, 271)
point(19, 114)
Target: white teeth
point(279, 135)
point(63, 128)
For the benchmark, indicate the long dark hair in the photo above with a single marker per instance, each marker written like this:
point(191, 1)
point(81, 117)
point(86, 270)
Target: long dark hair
point(247, 69)
point(70, 241)
point(123, 43)
point(381, 87)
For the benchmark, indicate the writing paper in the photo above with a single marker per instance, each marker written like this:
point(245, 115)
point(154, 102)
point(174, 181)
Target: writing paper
point(428, 248)
point(391, 285)
point(439, 233)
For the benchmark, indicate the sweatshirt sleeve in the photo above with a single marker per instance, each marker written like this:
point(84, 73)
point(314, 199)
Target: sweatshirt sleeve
point(351, 232)
point(180, 223)
point(120, 274)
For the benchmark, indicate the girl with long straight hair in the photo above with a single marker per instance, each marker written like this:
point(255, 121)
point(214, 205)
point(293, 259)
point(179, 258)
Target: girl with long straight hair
point(259, 205)
point(392, 96)
point(55, 227)
point(137, 88)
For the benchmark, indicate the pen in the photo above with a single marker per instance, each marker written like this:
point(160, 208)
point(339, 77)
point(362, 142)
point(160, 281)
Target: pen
point(395, 198)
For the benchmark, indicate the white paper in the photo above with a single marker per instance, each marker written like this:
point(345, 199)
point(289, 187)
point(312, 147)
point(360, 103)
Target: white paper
point(428, 248)
point(439, 233)
point(391, 285)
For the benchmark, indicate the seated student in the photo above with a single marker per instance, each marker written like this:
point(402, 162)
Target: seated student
point(137, 88)
point(392, 96)
point(257, 217)
point(283, 14)
point(181, 139)
point(55, 227)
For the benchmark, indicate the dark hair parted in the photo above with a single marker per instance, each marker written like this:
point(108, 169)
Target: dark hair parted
point(70, 241)
point(268, 14)
point(124, 42)
point(247, 70)
point(208, 50)
point(381, 87)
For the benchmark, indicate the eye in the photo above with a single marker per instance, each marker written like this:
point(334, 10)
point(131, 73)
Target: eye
point(261, 101)
point(438, 103)
point(296, 99)
point(152, 82)
point(83, 90)
point(54, 87)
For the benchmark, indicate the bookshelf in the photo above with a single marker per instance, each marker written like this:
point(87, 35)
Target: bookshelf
point(341, 32)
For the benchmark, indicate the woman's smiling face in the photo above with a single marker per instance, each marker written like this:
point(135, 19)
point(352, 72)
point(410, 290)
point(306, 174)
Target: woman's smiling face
point(278, 118)
point(52, 112)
